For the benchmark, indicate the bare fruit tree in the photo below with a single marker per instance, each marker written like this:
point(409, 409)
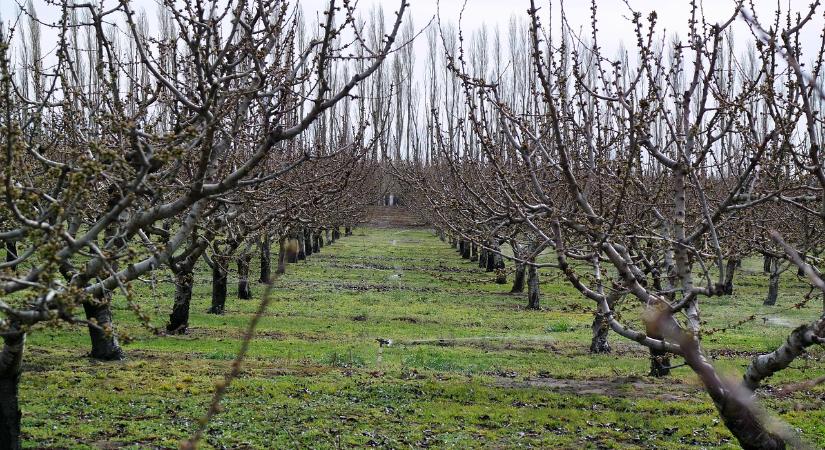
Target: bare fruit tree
point(115, 152)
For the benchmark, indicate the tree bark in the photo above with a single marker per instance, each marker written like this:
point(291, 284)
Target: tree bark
point(659, 360)
point(104, 341)
point(482, 259)
point(316, 242)
point(465, 250)
point(474, 252)
point(281, 256)
point(11, 363)
point(773, 281)
point(735, 408)
point(501, 274)
point(291, 247)
point(266, 260)
point(730, 270)
point(309, 244)
point(179, 318)
point(244, 289)
point(601, 328)
point(518, 282)
point(491, 261)
point(533, 292)
point(219, 287)
point(347, 231)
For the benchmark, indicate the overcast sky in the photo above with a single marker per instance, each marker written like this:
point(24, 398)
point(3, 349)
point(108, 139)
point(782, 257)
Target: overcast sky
point(614, 24)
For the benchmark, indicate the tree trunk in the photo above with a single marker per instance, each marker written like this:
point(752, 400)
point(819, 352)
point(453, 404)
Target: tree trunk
point(659, 359)
point(11, 363)
point(104, 341)
point(179, 319)
point(735, 407)
point(518, 282)
point(309, 243)
point(482, 259)
point(533, 292)
point(302, 252)
point(773, 282)
point(266, 261)
point(491, 261)
point(244, 290)
point(347, 231)
point(601, 328)
point(219, 287)
point(328, 240)
point(336, 233)
point(465, 250)
point(501, 273)
point(281, 256)
point(11, 252)
point(730, 269)
point(316, 243)
point(291, 247)
point(474, 252)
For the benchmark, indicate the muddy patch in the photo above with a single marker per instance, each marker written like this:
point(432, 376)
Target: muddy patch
point(229, 333)
point(621, 387)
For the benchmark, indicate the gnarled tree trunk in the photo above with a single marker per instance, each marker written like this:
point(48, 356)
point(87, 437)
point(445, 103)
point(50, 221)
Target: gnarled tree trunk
point(219, 286)
point(772, 264)
point(533, 292)
point(309, 245)
point(501, 273)
point(659, 360)
point(281, 256)
point(465, 250)
point(735, 407)
point(518, 282)
point(102, 332)
point(244, 289)
point(302, 251)
point(179, 318)
point(730, 270)
point(266, 260)
point(11, 362)
point(601, 327)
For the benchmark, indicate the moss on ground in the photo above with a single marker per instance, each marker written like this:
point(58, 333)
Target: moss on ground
point(469, 367)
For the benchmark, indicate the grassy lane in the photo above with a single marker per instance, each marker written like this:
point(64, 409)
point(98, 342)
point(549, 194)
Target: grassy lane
point(469, 367)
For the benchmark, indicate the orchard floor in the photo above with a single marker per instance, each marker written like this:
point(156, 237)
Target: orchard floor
point(469, 367)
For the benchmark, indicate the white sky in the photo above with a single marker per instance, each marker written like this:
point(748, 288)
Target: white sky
point(613, 16)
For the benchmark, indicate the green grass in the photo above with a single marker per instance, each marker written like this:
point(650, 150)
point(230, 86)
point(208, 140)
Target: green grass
point(470, 366)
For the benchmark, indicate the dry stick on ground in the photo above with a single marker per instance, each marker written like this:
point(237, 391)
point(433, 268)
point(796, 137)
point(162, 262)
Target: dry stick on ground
point(222, 386)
